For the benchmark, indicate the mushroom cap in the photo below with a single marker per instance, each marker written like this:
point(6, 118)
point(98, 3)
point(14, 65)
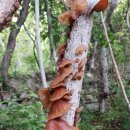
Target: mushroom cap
point(80, 109)
point(44, 95)
point(78, 75)
point(61, 84)
point(58, 93)
point(82, 63)
point(64, 72)
point(59, 124)
point(66, 97)
point(101, 5)
point(78, 8)
point(58, 109)
point(65, 62)
point(61, 48)
point(80, 49)
point(65, 18)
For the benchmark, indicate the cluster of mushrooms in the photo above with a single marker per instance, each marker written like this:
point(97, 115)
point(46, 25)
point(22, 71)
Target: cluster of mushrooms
point(6, 15)
point(56, 98)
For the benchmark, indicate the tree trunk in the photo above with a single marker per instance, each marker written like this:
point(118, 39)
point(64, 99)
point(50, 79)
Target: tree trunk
point(7, 9)
point(80, 34)
point(50, 33)
point(104, 63)
point(104, 79)
point(38, 45)
point(12, 40)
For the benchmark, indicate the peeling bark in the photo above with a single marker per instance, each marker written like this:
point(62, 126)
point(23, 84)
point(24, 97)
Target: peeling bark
point(80, 34)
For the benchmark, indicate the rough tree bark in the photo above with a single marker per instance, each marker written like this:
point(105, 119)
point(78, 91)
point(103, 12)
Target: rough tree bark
point(104, 79)
point(80, 34)
point(7, 9)
point(12, 40)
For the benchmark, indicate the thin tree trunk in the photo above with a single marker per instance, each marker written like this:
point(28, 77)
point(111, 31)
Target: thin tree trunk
point(40, 54)
point(103, 62)
point(50, 33)
point(80, 34)
point(104, 79)
point(12, 40)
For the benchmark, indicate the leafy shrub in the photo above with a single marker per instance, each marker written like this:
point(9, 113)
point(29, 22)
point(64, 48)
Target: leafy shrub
point(22, 117)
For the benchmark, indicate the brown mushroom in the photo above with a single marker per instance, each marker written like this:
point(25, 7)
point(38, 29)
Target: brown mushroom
point(80, 49)
point(80, 109)
point(82, 63)
point(101, 5)
point(64, 72)
point(58, 93)
point(76, 119)
point(65, 18)
point(44, 95)
point(58, 109)
point(61, 49)
point(64, 63)
point(61, 84)
point(78, 75)
point(66, 97)
point(59, 124)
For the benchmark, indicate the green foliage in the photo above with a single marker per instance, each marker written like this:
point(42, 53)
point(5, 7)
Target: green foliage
point(22, 117)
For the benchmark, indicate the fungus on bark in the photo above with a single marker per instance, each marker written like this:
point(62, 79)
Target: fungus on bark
point(44, 95)
point(61, 84)
point(65, 18)
point(80, 49)
point(82, 63)
point(78, 75)
point(58, 109)
point(80, 109)
point(64, 72)
point(101, 5)
point(77, 8)
point(61, 48)
point(66, 97)
point(59, 124)
point(58, 93)
point(65, 63)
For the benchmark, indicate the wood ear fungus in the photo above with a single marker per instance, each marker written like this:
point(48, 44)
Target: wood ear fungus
point(61, 84)
point(80, 49)
point(58, 93)
point(58, 109)
point(61, 48)
point(78, 75)
point(82, 63)
point(61, 76)
point(65, 63)
point(44, 95)
point(101, 5)
point(59, 124)
point(65, 18)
